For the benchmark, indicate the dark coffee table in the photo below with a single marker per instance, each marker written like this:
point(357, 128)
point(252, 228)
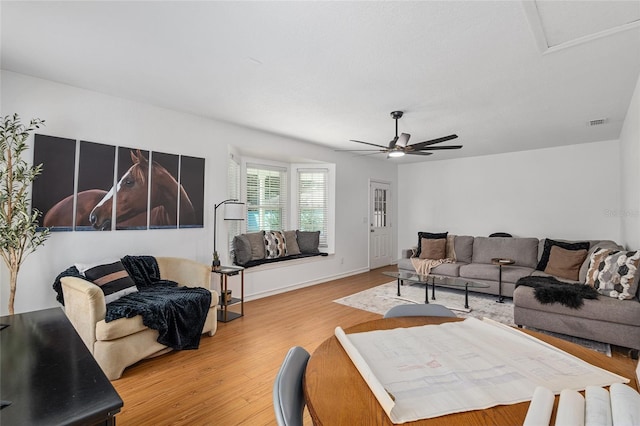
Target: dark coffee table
point(434, 280)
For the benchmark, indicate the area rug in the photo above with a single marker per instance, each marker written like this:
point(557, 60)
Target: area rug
point(384, 297)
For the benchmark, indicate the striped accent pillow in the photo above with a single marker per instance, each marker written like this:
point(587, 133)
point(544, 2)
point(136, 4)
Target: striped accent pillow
point(111, 277)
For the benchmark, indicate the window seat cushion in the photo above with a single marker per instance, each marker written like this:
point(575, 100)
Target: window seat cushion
point(257, 262)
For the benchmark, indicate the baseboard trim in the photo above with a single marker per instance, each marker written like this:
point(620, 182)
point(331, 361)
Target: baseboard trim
point(304, 284)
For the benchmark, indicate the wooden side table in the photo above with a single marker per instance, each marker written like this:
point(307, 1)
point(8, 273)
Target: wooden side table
point(224, 314)
point(501, 262)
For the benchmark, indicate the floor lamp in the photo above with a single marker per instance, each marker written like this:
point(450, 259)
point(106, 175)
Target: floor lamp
point(233, 210)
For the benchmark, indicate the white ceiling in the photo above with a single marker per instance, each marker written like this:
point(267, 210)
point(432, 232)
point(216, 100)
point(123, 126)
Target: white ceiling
point(327, 72)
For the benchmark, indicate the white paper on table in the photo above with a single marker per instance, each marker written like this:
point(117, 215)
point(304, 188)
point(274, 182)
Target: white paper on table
point(625, 404)
point(597, 411)
point(434, 370)
point(541, 407)
point(570, 409)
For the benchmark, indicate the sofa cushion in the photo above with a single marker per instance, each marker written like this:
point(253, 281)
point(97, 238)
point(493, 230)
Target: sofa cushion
point(275, 245)
point(256, 239)
point(447, 269)
point(617, 273)
point(122, 327)
point(291, 240)
point(565, 263)
point(429, 236)
point(433, 249)
point(464, 248)
point(523, 251)
point(241, 249)
point(537, 273)
point(548, 243)
point(308, 241)
point(602, 309)
point(111, 277)
point(487, 272)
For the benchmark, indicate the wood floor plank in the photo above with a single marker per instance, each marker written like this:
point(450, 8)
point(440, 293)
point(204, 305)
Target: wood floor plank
point(228, 380)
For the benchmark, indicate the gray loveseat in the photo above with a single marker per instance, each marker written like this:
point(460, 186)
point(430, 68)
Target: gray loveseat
point(606, 319)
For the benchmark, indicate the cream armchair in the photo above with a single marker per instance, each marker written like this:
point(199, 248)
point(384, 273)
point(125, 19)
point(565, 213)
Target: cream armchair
point(125, 341)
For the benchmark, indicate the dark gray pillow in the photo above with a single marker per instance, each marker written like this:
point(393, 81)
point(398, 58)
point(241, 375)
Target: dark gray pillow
point(241, 249)
point(308, 241)
point(256, 239)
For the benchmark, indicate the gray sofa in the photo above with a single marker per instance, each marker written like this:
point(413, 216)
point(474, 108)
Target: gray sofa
point(606, 319)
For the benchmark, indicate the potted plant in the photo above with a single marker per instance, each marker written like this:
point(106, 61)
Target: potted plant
point(19, 234)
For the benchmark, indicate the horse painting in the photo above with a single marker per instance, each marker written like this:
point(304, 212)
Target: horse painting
point(130, 195)
point(63, 209)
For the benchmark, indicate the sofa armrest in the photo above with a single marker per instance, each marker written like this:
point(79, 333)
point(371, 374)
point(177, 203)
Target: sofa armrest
point(84, 305)
point(408, 253)
point(185, 272)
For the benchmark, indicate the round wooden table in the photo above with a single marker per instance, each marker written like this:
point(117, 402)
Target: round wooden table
point(336, 394)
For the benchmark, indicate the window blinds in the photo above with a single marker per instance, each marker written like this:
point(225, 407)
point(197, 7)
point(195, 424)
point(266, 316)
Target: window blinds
point(313, 195)
point(266, 198)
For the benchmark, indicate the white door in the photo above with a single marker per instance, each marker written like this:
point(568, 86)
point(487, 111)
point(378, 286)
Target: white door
point(380, 224)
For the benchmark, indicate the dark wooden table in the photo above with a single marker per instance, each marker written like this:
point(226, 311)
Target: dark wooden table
point(49, 375)
point(337, 394)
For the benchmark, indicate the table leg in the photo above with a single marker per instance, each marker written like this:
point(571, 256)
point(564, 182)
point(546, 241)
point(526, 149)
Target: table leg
point(433, 288)
point(466, 295)
point(500, 297)
point(399, 286)
point(426, 292)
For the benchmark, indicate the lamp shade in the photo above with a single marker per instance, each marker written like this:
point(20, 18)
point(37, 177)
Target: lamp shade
point(234, 211)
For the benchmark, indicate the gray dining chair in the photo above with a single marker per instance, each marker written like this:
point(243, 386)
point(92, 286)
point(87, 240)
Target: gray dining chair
point(419, 310)
point(288, 396)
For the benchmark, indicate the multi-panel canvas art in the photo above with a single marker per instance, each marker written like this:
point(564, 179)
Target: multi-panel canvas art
point(115, 187)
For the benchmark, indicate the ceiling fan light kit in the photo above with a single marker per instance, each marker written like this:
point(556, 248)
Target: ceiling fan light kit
point(399, 146)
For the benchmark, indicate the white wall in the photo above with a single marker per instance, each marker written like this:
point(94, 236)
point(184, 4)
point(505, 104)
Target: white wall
point(630, 174)
point(80, 114)
point(566, 192)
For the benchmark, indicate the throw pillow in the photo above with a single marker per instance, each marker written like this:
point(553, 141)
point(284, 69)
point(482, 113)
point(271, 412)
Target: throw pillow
point(429, 236)
point(256, 239)
point(450, 248)
point(275, 245)
point(308, 241)
point(595, 259)
point(433, 249)
point(617, 274)
point(291, 241)
point(241, 249)
point(548, 243)
point(565, 263)
point(111, 277)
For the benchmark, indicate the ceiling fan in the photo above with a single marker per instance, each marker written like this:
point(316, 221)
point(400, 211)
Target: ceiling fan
point(398, 145)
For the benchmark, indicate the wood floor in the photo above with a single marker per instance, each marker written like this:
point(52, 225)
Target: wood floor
point(229, 379)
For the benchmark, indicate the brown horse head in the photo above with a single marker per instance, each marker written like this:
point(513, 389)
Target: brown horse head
point(131, 195)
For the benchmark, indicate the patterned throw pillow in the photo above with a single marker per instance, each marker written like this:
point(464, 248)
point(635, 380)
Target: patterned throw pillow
point(616, 274)
point(111, 277)
point(275, 245)
point(596, 257)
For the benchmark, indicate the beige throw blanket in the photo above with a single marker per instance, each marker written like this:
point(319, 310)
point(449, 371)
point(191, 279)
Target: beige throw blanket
point(424, 266)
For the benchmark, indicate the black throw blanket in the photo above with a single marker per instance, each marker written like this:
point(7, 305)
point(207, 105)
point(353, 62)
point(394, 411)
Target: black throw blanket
point(178, 313)
point(550, 290)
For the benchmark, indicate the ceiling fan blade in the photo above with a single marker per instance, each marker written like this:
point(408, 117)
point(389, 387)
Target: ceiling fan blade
point(392, 142)
point(420, 145)
point(368, 143)
point(434, 148)
point(403, 139)
point(418, 153)
point(358, 150)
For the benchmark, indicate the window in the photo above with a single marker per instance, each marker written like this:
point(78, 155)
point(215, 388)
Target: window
point(266, 198)
point(313, 201)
